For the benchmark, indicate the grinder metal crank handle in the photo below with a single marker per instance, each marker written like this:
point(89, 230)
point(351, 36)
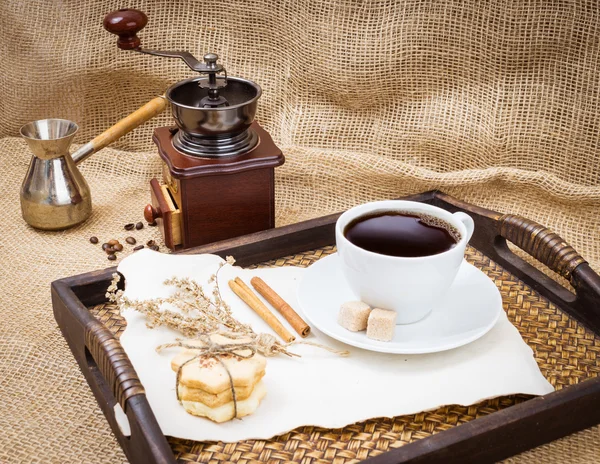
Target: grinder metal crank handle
point(127, 22)
point(125, 125)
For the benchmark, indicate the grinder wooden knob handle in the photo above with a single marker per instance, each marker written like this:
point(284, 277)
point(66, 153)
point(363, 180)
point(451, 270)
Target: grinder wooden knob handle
point(126, 23)
point(151, 213)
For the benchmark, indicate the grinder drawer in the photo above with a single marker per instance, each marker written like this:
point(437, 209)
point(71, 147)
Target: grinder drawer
point(164, 211)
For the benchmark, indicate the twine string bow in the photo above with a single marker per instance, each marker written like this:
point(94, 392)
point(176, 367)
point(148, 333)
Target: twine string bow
point(212, 350)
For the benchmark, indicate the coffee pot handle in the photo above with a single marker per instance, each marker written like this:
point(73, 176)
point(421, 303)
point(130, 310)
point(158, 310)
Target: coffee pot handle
point(467, 221)
point(127, 124)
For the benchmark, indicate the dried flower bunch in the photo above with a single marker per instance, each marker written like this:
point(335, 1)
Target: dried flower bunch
point(200, 313)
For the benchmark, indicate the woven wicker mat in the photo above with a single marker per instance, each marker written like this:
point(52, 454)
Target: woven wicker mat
point(566, 352)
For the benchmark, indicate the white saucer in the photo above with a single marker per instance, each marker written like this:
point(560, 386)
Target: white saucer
point(469, 310)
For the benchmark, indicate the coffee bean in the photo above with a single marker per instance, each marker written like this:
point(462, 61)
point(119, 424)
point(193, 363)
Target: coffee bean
point(118, 247)
point(139, 226)
point(113, 242)
point(129, 226)
point(110, 250)
point(130, 240)
point(94, 240)
point(139, 247)
point(105, 246)
point(150, 243)
point(152, 224)
point(154, 247)
point(112, 257)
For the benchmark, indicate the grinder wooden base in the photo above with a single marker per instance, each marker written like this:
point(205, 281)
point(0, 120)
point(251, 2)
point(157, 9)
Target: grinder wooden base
point(205, 200)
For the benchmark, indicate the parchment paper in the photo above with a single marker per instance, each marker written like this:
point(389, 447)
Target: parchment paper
point(320, 388)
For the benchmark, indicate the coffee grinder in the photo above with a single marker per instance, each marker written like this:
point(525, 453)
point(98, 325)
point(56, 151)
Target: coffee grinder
point(218, 163)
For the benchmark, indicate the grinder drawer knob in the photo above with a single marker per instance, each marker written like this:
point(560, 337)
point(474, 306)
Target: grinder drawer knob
point(125, 23)
point(151, 213)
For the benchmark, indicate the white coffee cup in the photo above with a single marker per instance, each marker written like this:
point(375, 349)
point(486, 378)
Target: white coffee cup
point(411, 286)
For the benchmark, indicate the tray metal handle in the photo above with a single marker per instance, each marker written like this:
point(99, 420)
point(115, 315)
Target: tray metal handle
point(541, 243)
point(113, 363)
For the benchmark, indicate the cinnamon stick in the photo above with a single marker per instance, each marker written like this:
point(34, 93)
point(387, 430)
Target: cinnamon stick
point(243, 291)
point(280, 305)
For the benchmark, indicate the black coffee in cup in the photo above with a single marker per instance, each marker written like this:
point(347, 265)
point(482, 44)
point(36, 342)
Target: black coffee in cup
point(396, 233)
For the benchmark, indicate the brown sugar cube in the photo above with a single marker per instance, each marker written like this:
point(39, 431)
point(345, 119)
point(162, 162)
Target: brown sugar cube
point(381, 324)
point(353, 315)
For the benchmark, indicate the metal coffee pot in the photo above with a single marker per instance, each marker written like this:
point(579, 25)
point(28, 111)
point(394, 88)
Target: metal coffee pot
point(54, 194)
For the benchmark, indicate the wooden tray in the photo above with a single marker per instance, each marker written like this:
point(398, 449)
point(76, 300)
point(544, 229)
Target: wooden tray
point(563, 329)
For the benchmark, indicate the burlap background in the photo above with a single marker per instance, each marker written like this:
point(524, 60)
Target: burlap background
point(494, 102)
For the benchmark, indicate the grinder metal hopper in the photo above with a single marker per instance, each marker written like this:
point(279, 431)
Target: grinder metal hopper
point(214, 130)
point(218, 173)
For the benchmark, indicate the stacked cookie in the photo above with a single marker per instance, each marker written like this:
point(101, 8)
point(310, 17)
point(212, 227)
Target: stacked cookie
point(205, 386)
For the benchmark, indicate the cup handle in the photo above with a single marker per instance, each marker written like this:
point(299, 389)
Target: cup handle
point(467, 221)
